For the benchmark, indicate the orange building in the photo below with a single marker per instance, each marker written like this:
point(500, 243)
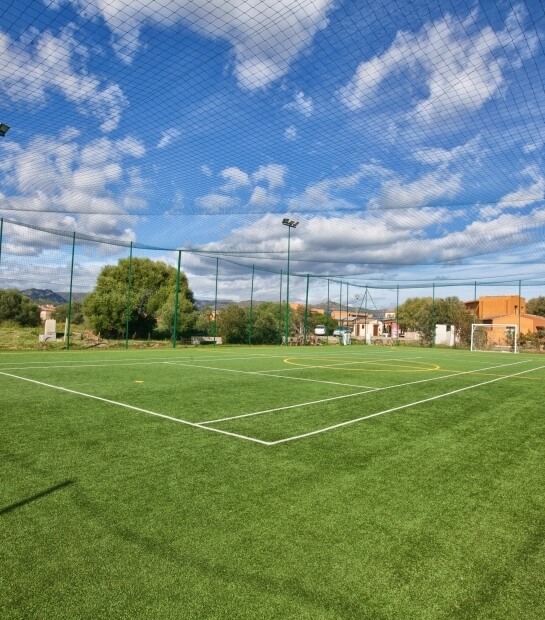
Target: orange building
point(497, 305)
point(505, 309)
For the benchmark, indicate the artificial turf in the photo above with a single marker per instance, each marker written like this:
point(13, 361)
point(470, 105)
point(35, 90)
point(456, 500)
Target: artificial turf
point(431, 511)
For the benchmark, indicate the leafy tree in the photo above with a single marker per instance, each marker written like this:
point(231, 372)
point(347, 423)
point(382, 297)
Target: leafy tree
point(76, 316)
point(152, 289)
point(414, 314)
point(205, 323)
point(422, 314)
point(536, 306)
point(187, 315)
point(266, 322)
point(232, 324)
point(266, 325)
point(17, 307)
point(452, 311)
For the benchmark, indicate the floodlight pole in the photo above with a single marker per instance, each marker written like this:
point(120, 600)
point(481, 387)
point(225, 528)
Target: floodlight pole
point(290, 224)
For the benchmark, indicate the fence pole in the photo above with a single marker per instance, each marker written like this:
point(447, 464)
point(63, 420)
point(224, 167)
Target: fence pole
point(365, 316)
point(69, 317)
point(397, 314)
point(340, 303)
point(128, 301)
point(176, 298)
point(476, 303)
point(433, 315)
point(1, 233)
point(306, 314)
point(328, 313)
point(251, 308)
point(347, 314)
point(520, 291)
point(216, 303)
point(280, 310)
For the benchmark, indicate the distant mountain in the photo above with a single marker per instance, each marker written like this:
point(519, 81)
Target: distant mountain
point(75, 296)
point(209, 303)
point(45, 296)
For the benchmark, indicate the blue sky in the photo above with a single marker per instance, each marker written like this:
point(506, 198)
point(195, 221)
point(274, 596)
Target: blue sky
point(406, 137)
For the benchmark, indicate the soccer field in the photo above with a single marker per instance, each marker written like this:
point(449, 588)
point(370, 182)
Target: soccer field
point(320, 482)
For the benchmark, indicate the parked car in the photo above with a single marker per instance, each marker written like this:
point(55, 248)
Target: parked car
point(341, 330)
point(320, 330)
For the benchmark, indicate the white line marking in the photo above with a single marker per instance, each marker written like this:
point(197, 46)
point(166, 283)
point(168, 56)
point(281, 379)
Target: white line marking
point(119, 404)
point(352, 395)
point(418, 402)
point(265, 373)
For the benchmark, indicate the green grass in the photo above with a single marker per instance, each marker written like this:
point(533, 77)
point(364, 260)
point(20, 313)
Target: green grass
point(434, 510)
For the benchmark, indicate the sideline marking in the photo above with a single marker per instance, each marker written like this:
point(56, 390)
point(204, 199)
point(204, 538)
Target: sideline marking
point(367, 391)
point(133, 408)
point(418, 402)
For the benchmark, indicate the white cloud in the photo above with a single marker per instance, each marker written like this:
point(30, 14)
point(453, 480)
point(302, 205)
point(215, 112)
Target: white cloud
point(441, 156)
point(301, 104)
point(463, 67)
point(290, 133)
point(39, 63)
point(91, 182)
point(262, 198)
point(521, 197)
point(266, 35)
point(272, 174)
point(326, 195)
point(168, 136)
point(235, 178)
point(216, 202)
point(398, 194)
point(262, 185)
point(206, 170)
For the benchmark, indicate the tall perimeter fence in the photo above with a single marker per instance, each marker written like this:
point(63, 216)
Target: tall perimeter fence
point(33, 257)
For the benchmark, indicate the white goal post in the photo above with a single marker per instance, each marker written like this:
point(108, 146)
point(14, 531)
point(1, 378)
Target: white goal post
point(502, 337)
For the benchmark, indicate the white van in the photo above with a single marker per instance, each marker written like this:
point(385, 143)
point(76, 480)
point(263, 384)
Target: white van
point(320, 330)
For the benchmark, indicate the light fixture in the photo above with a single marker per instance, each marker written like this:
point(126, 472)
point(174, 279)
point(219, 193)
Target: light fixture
point(291, 223)
point(3, 129)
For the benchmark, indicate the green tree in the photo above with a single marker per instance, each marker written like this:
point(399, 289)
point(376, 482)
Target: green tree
point(452, 311)
point(422, 314)
point(205, 323)
point(232, 324)
point(415, 315)
point(152, 289)
point(76, 316)
point(266, 327)
point(536, 306)
point(187, 315)
point(18, 308)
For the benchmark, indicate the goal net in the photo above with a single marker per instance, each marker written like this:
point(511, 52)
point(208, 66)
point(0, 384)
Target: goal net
point(498, 337)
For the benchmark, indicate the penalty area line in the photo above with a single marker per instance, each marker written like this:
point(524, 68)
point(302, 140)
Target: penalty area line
point(406, 406)
point(139, 409)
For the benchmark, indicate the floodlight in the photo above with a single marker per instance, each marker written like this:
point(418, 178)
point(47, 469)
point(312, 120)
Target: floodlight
point(3, 129)
point(291, 223)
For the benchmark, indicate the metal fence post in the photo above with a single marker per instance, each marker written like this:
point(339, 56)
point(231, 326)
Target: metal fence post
point(216, 303)
point(305, 328)
point(1, 233)
point(69, 317)
point(176, 296)
point(128, 302)
point(251, 317)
